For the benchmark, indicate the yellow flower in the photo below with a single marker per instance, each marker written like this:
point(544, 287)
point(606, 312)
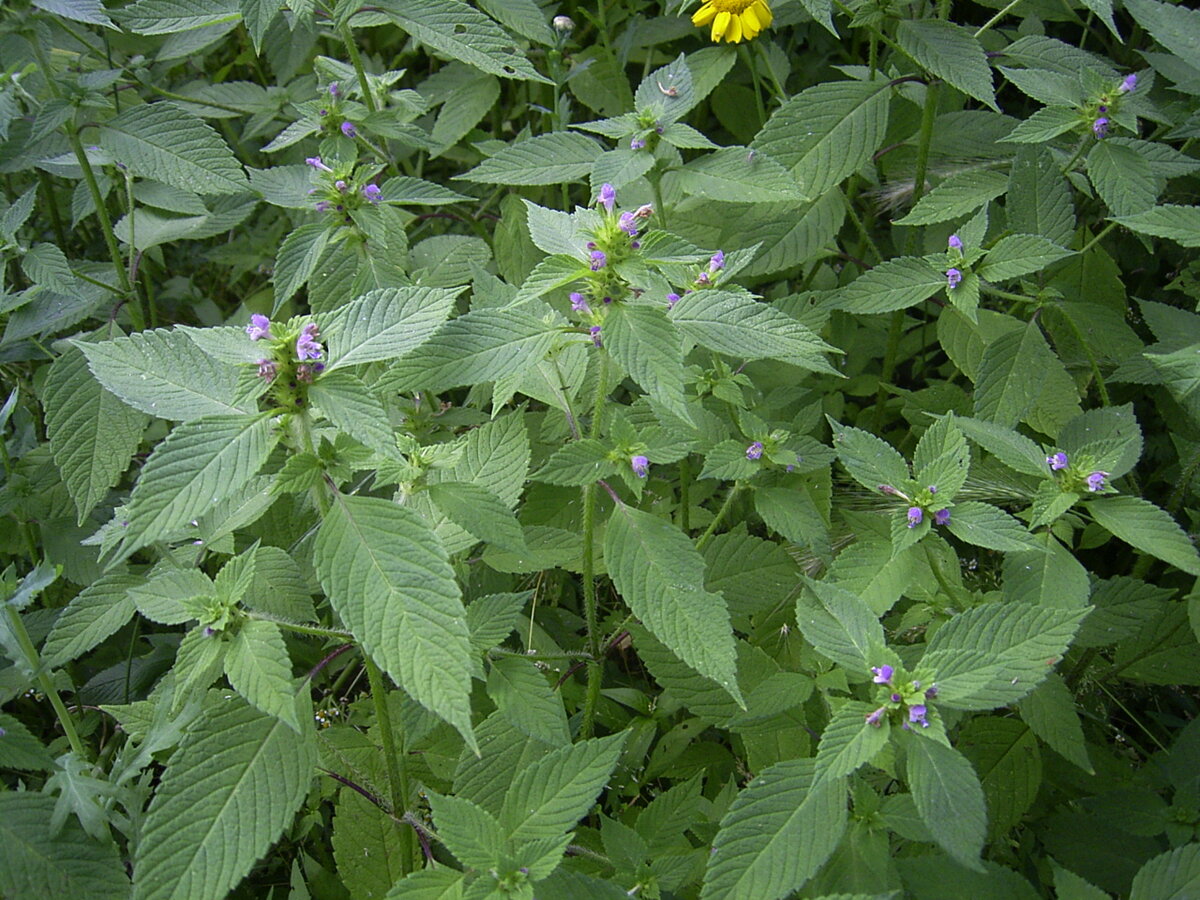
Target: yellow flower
point(733, 20)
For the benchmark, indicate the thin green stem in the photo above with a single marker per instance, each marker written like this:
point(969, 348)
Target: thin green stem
point(780, 90)
point(397, 767)
point(660, 208)
point(748, 55)
point(356, 61)
point(300, 628)
point(1103, 233)
point(986, 26)
point(16, 627)
point(596, 664)
point(1083, 142)
point(720, 516)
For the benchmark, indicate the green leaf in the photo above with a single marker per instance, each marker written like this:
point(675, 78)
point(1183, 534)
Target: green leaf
point(1013, 449)
point(368, 849)
point(546, 159)
point(895, 284)
point(163, 597)
point(1178, 223)
point(948, 797)
point(1045, 125)
point(428, 884)
point(47, 266)
point(1050, 576)
point(349, 405)
point(225, 797)
point(259, 668)
point(1068, 885)
point(1010, 375)
point(523, 696)
point(959, 195)
point(1020, 254)
point(1039, 199)
point(90, 11)
point(458, 31)
point(486, 779)
point(1174, 875)
point(754, 575)
point(173, 16)
point(827, 132)
point(472, 834)
point(778, 832)
point(841, 627)
point(21, 750)
point(388, 578)
point(40, 863)
point(660, 575)
point(1123, 178)
point(1050, 712)
point(739, 326)
point(93, 435)
point(985, 525)
point(995, 654)
point(576, 464)
point(849, 741)
point(480, 512)
point(734, 175)
point(1004, 752)
point(1148, 528)
point(1109, 437)
point(165, 374)
point(549, 796)
point(1175, 27)
point(197, 464)
point(297, 260)
point(162, 142)
point(871, 461)
point(483, 345)
point(384, 324)
point(942, 459)
point(952, 53)
point(644, 342)
point(493, 618)
point(95, 613)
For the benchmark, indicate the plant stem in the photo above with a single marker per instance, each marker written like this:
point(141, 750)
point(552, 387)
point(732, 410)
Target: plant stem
point(397, 767)
point(17, 627)
point(685, 484)
point(596, 664)
point(986, 26)
point(720, 516)
point(748, 55)
point(356, 61)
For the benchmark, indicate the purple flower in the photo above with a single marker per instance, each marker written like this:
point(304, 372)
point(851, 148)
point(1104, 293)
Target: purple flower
point(931, 692)
point(1095, 481)
point(874, 718)
point(578, 304)
point(599, 260)
point(916, 715)
point(322, 112)
point(932, 489)
point(953, 278)
point(334, 90)
point(883, 674)
point(915, 515)
point(372, 193)
point(259, 327)
point(640, 466)
point(755, 450)
point(1128, 84)
point(595, 332)
point(306, 345)
point(941, 517)
point(322, 206)
point(628, 224)
point(315, 162)
point(340, 185)
point(1102, 109)
point(1057, 461)
point(637, 144)
point(955, 242)
point(267, 369)
point(1100, 127)
point(703, 278)
point(349, 130)
point(672, 299)
point(717, 263)
point(635, 245)
point(896, 698)
point(607, 196)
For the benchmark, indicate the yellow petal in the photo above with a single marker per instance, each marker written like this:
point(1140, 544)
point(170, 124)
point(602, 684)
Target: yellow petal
point(704, 15)
point(763, 13)
point(750, 26)
point(734, 34)
point(720, 23)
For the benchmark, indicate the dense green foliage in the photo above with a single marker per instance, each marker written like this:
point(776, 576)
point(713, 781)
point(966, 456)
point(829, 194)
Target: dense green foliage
point(524, 449)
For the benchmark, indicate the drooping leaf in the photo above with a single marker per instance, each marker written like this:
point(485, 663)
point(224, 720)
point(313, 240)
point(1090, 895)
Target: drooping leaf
point(384, 324)
point(950, 52)
point(1148, 528)
point(948, 797)
point(546, 159)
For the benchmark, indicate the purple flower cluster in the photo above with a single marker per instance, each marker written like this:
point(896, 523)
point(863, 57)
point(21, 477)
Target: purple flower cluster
point(1057, 461)
point(307, 346)
point(915, 516)
point(349, 130)
point(607, 196)
point(579, 304)
point(941, 517)
point(953, 278)
point(754, 451)
point(640, 465)
point(1095, 481)
point(1100, 127)
point(599, 260)
point(372, 193)
point(955, 242)
point(259, 327)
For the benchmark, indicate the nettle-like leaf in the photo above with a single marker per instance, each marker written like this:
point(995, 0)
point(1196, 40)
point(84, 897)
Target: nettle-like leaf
point(545, 159)
point(871, 461)
point(1148, 528)
point(388, 576)
point(644, 342)
point(384, 324)
point(949, 798)
point(950, 52)
point(841, 627)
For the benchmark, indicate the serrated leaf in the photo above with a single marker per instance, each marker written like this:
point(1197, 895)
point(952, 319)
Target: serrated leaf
point(162, 142)
point(389, 579)
point(957, 196)
point(985, 525)
point(739, 326)
point(1178, 223)
point(1175, 27)
point(429, 884)
point(472, 834)
point(163, 597)
point(827, 132)
point(871, 461)
point(480, 512)
point(548, 797)
point(1039, 199)
point(576, 464)
point(754, 575)
point(1050, 712)
point(1051, 576)
point(1123, 178)
point(96, 612)
point(895, 284)
point(367, 846)
point(669, 92)
point(225, 797)
point(840, 626)
point(778, 832)
point(644, 342)
point(21, 750)
point(734, 175)
point(173, 16)
point(90, 11)
point(849, 741)
point(1010, 375)
point(1020, 254)
point(660, 575)
point(1045, 125)
point(995, 654)
point(483, 345)
point(165, 374)
point(546, 159)
point(93, 435)
point(1174, 875)
point(259, 668)
point(384, 324)
point(297, 260)
point(950, 52)
point(949, 798)
point(526, 700)
point(458, 31)
point(349, 405)
point(1148, 528)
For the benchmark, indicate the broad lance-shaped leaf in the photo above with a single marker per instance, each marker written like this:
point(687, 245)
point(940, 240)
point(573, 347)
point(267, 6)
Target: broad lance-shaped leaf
point(259, 669)
point(949, 798)
point(734, 175)
point(779, 831)
point(384, 324)
point(870, 460)
point(389, 579)
point(546, 159)
point(849, 741)
point(950, 52)
point(1174, 875)
point(841, 626)
point(93, 435)
point(1148, 528)
point(659, 573)
point(896, 284)
point(96, 612)
point(297, 259)
point(164, 373)
point(1178, 223)
point(644, 343)
point(171, 16)
point(995, 654)
point(738, 325)
point(226, 795)
point(351, 406)
point(479, 512)
point(198, 464)
point(988, 526)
